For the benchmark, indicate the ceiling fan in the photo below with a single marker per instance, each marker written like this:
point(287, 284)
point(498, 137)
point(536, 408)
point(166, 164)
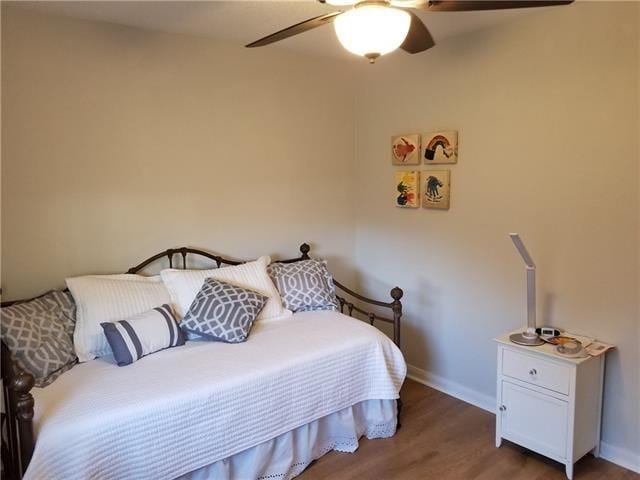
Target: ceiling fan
point(372, 28)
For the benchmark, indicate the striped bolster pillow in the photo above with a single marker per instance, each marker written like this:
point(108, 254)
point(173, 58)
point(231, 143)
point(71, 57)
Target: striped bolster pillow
point(142, 334)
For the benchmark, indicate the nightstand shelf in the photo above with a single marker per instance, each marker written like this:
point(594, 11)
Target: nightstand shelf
point(548, 403)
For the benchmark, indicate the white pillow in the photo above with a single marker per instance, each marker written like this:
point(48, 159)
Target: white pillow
point(183, 285)
point(110, 298)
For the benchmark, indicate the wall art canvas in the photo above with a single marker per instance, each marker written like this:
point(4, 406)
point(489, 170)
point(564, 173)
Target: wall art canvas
point(405, 149)
point(436, 188)
point(407, 189)
point(440, 147)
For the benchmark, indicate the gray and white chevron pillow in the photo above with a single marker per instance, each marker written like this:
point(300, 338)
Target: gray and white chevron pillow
point(222, 311)
point(304, 285)
point(39, 334)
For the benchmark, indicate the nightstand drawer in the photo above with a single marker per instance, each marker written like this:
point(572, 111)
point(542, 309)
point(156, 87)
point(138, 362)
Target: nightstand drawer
point(536, 371)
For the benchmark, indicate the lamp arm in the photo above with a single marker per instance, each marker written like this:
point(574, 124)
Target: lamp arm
point(531, 299)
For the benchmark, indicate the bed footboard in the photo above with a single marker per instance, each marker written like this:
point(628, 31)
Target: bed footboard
point(395, 305)
point(396, 309)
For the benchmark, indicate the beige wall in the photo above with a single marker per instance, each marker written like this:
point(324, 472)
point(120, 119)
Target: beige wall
point(119, 143)
point(547, 110)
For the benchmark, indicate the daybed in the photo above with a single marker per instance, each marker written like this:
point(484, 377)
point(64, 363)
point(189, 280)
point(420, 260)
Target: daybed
point(266, 408)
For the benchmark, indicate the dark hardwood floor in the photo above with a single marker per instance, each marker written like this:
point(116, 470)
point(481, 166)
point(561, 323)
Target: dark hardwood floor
point(443, 438)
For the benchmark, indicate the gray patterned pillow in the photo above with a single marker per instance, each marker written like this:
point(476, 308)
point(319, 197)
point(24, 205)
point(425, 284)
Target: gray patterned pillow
point(223, 312)
point(304, 285)
point(39, 334)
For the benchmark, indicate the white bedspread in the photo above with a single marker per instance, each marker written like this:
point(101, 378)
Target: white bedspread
point(180, 409)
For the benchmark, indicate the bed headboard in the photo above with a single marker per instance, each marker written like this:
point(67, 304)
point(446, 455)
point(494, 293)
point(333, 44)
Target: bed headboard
point(18, 439)
point(396, 293)
point(219, 260)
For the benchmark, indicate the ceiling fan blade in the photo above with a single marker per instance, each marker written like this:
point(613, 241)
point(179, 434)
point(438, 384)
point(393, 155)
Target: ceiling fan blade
point(471, 5)
point(301, 27)
point(419, 38)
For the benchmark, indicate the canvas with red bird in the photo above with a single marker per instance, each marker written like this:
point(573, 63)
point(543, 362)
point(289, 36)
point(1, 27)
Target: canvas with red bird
point(405, 149)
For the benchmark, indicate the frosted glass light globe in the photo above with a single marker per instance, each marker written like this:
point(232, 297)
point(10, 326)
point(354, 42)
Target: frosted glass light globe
point(372, 30)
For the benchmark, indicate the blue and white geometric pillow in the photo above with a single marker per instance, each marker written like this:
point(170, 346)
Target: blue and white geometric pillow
point(39, 334)
point(304, 285)
point(223, 312)
point(142, 334)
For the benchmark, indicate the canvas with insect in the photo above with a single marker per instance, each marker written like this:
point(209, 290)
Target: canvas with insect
point(407, 189)
point(436, 188)
point(405, 149)
point(440, 147)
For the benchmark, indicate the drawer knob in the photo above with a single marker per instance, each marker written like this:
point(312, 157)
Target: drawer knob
point(533, 371)
point(502, 408)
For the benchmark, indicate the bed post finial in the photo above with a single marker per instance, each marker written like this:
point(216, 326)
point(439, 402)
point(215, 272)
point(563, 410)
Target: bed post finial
point(396, 293)
point(396, 307)
point(304, 249)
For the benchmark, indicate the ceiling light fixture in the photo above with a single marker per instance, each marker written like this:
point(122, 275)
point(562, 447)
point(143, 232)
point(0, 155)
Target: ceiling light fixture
point(372, 29)
point(375, 27)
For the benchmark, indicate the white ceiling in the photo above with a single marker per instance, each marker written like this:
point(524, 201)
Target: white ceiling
point(242, 21)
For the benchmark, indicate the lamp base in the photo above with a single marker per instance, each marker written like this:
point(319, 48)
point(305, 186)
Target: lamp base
point(526, 339)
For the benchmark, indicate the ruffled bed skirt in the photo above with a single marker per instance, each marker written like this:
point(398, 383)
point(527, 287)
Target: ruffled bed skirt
point(287, 455)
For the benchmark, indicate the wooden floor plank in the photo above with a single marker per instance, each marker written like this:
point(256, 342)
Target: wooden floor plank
point(443, 438)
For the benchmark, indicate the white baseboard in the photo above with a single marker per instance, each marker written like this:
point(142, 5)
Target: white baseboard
point(620, 456)
point(454, 389)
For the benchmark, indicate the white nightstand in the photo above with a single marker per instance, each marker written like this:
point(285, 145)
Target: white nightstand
point(548, 403)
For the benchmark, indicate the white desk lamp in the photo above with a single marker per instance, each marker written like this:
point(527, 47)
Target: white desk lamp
point(529, 337)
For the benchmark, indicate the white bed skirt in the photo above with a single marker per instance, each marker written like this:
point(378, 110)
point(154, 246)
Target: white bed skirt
point(287, 455)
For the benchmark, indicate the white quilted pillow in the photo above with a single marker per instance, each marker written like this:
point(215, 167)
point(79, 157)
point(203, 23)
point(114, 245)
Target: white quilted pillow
point(110, 298)
point(184, 285)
